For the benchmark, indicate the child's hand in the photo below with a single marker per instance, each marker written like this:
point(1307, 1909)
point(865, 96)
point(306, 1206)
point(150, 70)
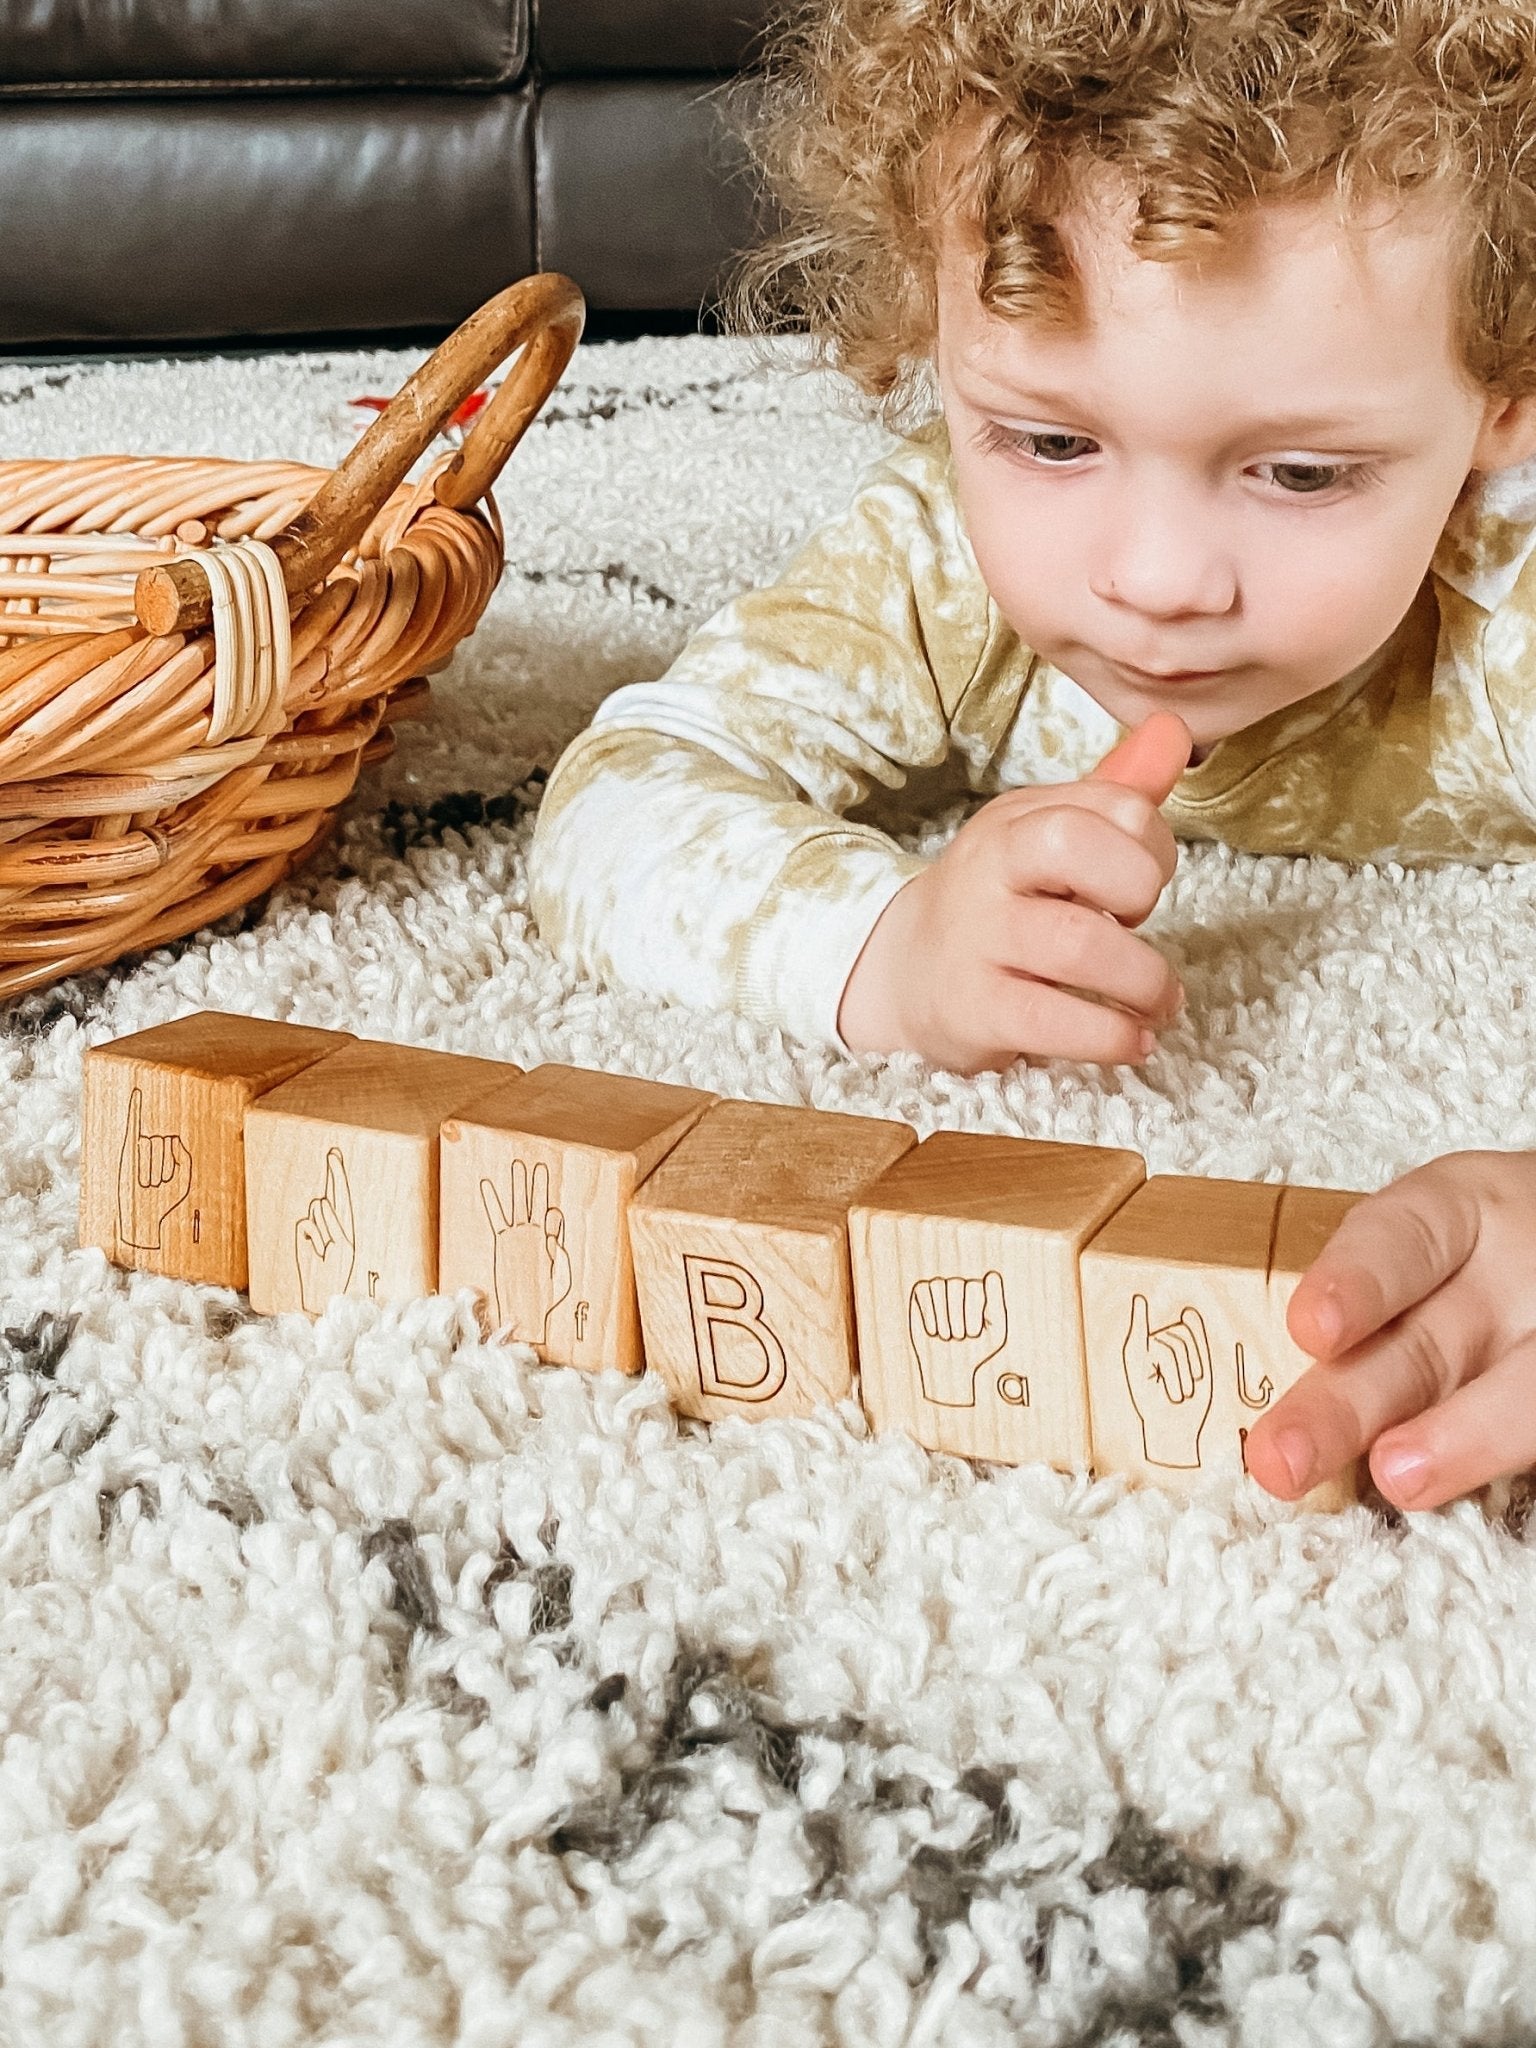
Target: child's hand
point(1434, 1279)
point(971, 961)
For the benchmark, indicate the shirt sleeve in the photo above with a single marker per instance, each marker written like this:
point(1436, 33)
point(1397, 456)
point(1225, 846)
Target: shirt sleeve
point(692, 842)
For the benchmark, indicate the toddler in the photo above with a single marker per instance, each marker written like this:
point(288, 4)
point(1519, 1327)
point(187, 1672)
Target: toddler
point(1208, 329)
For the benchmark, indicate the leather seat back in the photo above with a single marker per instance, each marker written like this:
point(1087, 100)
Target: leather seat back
point(259, 45)
point(584, 38)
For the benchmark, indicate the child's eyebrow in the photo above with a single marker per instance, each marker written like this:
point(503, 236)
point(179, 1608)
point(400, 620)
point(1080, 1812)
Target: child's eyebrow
point(1366, 417)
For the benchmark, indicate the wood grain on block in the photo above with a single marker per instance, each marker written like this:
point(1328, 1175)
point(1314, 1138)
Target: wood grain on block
point(965, 1278)
point(162, 1145)
point(1184, 1298)
point(342, 1174)
point(537, 1179)
point(740, 1241)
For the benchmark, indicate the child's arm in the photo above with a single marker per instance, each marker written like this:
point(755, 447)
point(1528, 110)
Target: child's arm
point(691, 841)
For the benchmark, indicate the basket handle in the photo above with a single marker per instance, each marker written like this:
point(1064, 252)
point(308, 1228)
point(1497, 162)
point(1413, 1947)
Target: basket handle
point(547, 311)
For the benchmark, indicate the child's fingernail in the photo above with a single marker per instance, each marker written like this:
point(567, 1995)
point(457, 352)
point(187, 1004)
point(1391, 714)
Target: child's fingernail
point(1406, 1472)
point(1297, 1455)
point(1328, 1318)
point(1148, 1043)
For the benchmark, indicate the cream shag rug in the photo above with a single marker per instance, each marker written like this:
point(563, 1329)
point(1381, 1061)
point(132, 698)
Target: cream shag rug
point(362, 1683)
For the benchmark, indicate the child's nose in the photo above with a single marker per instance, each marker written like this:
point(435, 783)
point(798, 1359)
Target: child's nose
point(1169, 563)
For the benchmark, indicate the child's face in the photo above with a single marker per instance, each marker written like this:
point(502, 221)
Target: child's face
point(1172, 500)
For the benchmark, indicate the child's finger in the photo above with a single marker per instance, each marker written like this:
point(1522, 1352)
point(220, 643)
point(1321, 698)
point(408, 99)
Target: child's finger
point(1068, 946)
point(1034, 1017)
point(1067, 850)
point(1337, 1410)
point(1129, 811)
point(1391, 1250)
point(1151, 758)
point(1485, 1430)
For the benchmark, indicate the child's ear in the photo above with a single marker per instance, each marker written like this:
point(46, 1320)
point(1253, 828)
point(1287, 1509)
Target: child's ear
point(1508, 433)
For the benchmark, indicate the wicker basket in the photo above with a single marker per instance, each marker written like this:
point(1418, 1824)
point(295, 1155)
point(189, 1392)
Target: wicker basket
point(197, 656)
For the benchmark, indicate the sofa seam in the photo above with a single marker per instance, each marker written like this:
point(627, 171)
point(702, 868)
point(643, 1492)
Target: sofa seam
point(232, 88)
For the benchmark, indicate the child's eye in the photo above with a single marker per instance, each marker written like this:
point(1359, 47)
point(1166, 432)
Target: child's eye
point(1015, 440)
point(1046, 452)
point(1331, 473)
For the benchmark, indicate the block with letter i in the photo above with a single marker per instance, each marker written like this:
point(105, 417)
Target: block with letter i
point(537, 1179)
point(740, 1241)
point(965, 1283)
point(342, 1175)
point(1185, 1292)
point(162, 1149)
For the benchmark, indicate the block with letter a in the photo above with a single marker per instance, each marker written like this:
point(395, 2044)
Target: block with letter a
point(538, 1177)
point(740, 1242)
point(162, 1150)
point(343, 1175)
point(966, 1288)
point(1185, 1292)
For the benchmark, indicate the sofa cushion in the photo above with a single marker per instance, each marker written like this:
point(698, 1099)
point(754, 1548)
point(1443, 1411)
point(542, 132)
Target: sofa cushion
point(592, 36)
point(642, 193)
point(275, 45)
point(246, 217)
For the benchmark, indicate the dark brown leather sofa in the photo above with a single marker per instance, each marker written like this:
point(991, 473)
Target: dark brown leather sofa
point(213, 170)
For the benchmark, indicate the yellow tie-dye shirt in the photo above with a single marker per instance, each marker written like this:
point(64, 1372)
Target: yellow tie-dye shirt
point(698, 839)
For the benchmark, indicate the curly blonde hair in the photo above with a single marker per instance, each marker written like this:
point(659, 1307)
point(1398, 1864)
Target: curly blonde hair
point(1208, 107)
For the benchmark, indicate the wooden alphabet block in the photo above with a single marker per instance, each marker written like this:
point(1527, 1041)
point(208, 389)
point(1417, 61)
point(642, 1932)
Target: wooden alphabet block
point(1185, 1291)
point(537, 1179)
point(342, 1174)
point(965, 1282)
point(740, 1242)
point(162, 1146)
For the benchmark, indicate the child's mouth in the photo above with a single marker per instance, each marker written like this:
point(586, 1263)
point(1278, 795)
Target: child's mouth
point(1183, 675)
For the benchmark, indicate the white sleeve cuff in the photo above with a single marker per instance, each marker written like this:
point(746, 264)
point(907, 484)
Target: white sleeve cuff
point(805, 936)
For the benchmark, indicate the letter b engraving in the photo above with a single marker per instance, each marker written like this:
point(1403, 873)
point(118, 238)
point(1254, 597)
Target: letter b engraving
point(725, 1307)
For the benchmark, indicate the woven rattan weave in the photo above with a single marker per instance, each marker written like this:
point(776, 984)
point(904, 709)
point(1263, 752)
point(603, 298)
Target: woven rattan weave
point(197, 656)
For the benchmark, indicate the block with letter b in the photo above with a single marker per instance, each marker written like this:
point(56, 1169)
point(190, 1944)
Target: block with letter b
point(343, 1175)
point(162, 1150)
point(740, 1241)
point(966, 1285)
point(537, 1179)
point(1185, 1292)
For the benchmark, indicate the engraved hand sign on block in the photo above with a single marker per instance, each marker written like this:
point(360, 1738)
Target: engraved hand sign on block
point(343, 1175)
point(537, 1179)
point(325, 1241)
point(154, 1178)
point(530, 1266)
point(1185, 1291)
point(740, 1241)
point(162, 1153)
point(957, 1324)
point(966, 1286)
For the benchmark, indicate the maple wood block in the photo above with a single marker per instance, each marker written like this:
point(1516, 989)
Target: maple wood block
point(1185, 1291)
point(965, 1281)
point(537, 1179)
point(740, 1241)
point(341, 1171)
point(162, 1143)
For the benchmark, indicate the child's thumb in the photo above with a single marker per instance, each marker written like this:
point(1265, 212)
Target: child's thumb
point(1150, 759)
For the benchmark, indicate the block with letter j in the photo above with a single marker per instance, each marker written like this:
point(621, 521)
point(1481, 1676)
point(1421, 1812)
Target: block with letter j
point(162, 1153)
